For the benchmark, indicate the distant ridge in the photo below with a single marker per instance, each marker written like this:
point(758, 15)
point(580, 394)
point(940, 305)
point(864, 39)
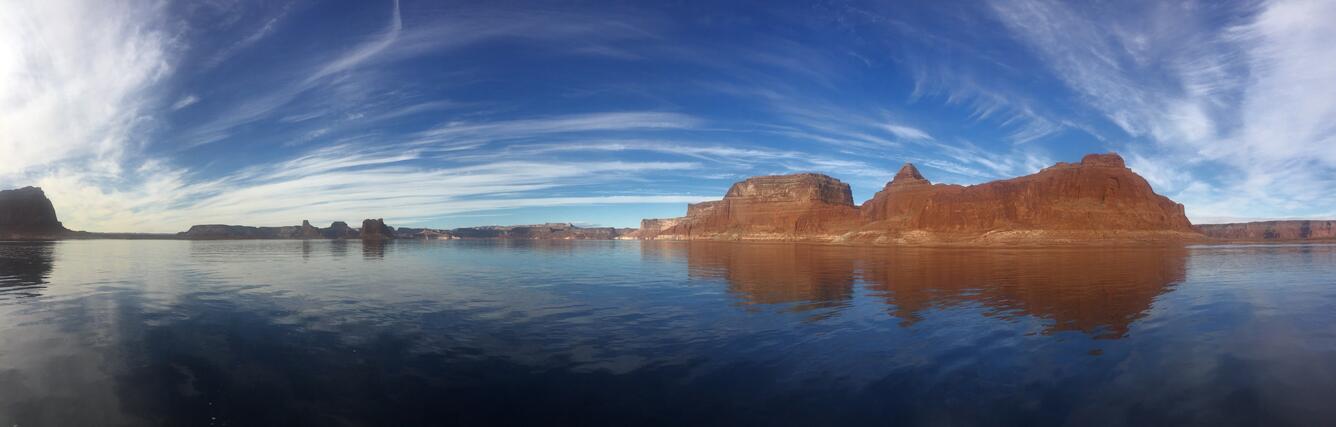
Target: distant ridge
point(1098, 200)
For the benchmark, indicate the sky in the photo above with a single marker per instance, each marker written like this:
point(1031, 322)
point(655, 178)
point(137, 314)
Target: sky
point(143, 115)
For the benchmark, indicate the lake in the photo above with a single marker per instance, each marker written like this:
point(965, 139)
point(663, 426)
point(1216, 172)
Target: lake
point(249, 333)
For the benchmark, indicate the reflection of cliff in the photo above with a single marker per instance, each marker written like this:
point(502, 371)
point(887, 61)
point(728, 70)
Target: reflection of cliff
point(1094, 291)
point(812, 276)
point(1086, 290)
point(24, 266)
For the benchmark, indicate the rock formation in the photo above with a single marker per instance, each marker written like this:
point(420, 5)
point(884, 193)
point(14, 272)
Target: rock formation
point(26, 213)
point(803, 206)
point(1271, 230)
point(1097, 199)
point(339, 230)
point(375, 229)
point(308, 231)
point(551, 231)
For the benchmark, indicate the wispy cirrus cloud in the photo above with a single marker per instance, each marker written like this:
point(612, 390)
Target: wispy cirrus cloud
point(1254, 96)
point(77, 80)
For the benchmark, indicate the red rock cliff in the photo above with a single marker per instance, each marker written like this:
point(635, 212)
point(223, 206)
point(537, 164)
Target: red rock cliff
point(780, 207)
point(1096, 199)
point(1098, 194)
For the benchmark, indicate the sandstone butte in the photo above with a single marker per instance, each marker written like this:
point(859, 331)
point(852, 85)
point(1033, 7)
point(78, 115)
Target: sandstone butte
point(1098, 199)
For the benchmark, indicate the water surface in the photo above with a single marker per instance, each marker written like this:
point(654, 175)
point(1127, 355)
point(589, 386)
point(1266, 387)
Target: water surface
point(625, 333)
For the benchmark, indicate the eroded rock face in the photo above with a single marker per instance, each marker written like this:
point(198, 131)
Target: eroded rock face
point(781, 207)
point(375, 229)
point(27, 213)
point(1271, 230)
point(1096, 199)
point(1098, 194)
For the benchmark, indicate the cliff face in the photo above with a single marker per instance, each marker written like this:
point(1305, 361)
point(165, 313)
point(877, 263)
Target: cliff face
point(781, 207)
point(1099, 194)
point(1271, 230)
point(1099, 198)
point(27, 213)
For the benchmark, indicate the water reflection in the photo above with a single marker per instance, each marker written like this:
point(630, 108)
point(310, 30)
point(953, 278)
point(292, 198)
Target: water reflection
point(373, 249)
point(808, 276)
point(1100, 292)
point(1093, 291)
point(24, 267)
point(631, 333)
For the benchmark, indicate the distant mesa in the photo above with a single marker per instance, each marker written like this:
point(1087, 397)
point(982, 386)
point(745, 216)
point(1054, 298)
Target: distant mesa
point(1272, 230)
point(337, 230)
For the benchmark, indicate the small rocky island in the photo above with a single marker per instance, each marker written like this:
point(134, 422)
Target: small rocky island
point(1098, 200)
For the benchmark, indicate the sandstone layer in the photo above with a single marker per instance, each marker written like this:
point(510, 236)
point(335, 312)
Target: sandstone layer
point(1272, 230)
point(1098, 199)
point(803, 206)
point(26, 213)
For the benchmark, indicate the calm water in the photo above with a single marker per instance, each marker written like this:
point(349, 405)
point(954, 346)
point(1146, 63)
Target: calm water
point(286, 333)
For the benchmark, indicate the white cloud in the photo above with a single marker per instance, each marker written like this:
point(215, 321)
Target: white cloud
point(906, 132)
point(76, 79)
point(1257, 97)
point(184, 102)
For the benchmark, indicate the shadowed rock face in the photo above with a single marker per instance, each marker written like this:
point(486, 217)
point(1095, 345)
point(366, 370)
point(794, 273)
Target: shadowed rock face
point(27, 213)
point(1099, 193)
point(1272, 230)
point(337, 230)
point(375, 229)
point(781, 207)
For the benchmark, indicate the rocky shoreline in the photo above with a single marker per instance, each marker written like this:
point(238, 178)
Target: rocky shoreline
point(1098, 201)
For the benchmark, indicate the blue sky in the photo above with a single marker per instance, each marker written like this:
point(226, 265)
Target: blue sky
point(142, 115)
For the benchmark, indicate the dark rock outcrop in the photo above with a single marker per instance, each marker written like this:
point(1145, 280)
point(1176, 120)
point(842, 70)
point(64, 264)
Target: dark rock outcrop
point(309, 231)
point(339, 230)
point(26, 213)
point(1272, 230)
point(375, 229)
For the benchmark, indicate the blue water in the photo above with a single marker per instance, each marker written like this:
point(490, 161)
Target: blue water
point(249, 333)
